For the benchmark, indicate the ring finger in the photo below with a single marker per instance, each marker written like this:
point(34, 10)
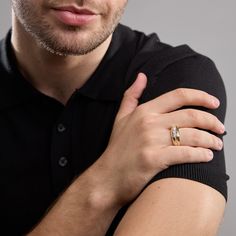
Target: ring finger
point(198, 138)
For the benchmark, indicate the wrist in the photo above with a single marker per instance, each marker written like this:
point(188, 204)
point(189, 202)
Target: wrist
point(98, 188)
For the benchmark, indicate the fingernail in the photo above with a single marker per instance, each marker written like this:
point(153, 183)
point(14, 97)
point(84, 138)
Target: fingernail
point(210, 154)
point(220, 144)
point(225, 133)
point(216, 102)
point(222, 128)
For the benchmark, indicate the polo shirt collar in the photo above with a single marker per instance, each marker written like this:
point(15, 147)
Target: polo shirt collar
point(108, 81)
point(106, 84)
point(14, 89)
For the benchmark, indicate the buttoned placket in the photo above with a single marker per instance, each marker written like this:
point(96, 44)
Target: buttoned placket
point(62, 173)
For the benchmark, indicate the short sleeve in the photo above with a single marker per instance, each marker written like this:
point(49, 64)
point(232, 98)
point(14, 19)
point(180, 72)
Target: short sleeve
point(198, 72)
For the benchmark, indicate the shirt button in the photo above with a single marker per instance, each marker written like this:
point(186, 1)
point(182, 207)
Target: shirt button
point(63, 161)
point(61, 128)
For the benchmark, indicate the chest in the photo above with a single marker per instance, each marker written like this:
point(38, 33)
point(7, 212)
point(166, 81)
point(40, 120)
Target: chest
point(43, 148)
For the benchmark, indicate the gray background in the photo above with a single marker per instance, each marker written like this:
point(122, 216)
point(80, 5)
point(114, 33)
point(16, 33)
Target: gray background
point(209, 27)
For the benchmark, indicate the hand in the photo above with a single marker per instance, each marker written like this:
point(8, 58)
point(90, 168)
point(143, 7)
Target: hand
point(140, 144)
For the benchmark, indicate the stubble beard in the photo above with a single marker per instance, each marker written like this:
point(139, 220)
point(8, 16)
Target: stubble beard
point(57, 42)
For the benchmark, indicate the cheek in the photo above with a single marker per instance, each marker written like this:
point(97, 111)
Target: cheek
point(22, 3)
point(115, 7)
point(121, 4)
point(26, 7)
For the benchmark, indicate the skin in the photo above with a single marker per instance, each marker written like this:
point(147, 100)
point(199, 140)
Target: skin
point(61, 59)
point(37, 19)
point(174, 206)
point(57, 50)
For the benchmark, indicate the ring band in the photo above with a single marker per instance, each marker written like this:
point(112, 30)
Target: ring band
point(175, 135)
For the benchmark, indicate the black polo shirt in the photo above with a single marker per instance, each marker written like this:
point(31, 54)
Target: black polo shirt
point(45, 145)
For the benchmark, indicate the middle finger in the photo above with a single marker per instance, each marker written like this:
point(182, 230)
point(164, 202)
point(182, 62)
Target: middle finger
point(193, 118)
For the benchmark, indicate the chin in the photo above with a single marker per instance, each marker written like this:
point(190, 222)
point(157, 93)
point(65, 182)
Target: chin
point(72, 43)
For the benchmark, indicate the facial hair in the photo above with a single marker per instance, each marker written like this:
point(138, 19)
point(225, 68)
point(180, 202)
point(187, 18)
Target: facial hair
point(59, 42)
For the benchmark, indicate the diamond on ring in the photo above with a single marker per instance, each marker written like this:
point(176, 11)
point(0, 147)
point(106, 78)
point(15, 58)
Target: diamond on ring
point(175, 135)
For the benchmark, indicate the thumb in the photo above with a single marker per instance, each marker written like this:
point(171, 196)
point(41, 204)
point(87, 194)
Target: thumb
point(131, 96)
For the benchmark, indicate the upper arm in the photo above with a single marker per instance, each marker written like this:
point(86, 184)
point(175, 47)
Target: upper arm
point(185, 197)
point(197, 72)
point(174, 206)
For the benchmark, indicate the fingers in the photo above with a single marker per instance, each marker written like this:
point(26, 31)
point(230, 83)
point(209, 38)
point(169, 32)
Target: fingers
point(195, 118)
point(178, 98)
point(173, 155)
point(131, 96)
point(199, 138)
point(195, 147)
point(188, 137)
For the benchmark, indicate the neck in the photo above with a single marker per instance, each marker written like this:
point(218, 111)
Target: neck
point(54, 75)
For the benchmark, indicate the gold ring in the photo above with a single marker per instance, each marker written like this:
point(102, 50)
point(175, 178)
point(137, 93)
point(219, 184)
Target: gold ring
point(175, 135)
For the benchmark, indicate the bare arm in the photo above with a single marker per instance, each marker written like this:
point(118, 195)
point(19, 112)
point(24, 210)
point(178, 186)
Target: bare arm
point(86, 208)
point(174, 207)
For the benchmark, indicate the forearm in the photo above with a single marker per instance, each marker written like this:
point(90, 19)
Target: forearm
point(86, 208)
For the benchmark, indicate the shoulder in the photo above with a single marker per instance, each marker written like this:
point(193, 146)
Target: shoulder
point(194, 71)
point(167, 65)
point(171, 67)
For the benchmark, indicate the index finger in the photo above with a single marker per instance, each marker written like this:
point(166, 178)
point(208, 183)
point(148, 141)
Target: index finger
point(180, 97)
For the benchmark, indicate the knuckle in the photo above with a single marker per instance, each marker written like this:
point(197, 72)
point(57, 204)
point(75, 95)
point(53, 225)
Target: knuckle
point(211, 117)
point(146, 121)
point(196, 138)
point(182, 93)
point(186, 153)
point(193, 114)
point(205, 96)
point(126, 93)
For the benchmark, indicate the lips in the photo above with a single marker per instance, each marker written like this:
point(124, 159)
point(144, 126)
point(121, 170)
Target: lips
point(75, 10)
point(73, 16)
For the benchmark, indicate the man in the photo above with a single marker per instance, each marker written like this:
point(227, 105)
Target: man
point(78, 157)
